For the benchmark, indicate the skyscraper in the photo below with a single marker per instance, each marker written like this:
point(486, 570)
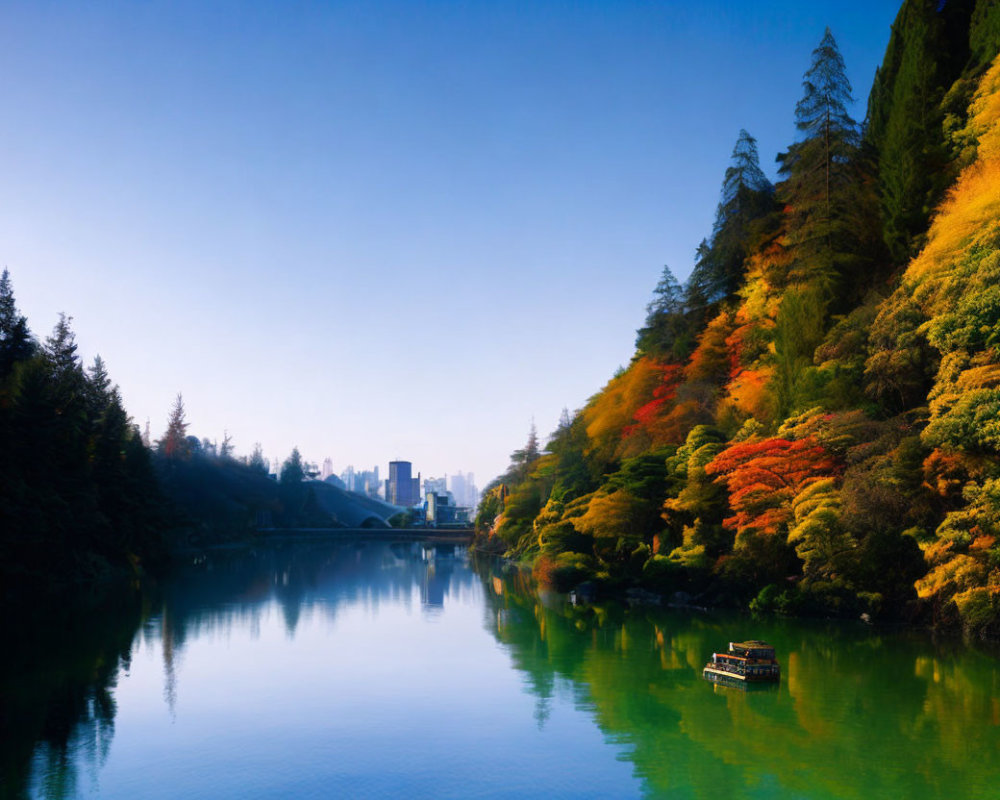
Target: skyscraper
point(402, 489)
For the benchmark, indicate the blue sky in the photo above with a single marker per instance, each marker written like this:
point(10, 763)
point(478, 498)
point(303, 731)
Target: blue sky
point(380, 230)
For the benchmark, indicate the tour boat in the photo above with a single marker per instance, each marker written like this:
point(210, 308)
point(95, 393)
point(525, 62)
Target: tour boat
point(751, 661)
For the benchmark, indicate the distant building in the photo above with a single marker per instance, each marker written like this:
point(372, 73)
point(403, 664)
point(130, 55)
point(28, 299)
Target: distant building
point(440, 509)
point(436, 485)
point(463, 488)
point(401, 488)
point(327, 470)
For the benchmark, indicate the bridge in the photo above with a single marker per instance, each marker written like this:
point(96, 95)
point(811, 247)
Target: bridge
point(430, 535)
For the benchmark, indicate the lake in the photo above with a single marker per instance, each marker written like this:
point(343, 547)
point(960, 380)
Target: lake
point(314, 670)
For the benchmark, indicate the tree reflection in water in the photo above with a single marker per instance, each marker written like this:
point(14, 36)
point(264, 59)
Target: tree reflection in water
point(57, 682)
point(859, 713)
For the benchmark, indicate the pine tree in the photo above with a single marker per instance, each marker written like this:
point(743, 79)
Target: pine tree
point(66, 377)
point(747, 195)
point(226, 448)
point(532, 450)
point(667, 332)
point(292, 471)
point(257, 461)
point(99, 388)
point(521, 460)
point(174, 443)
point(60, 349)
point(832, 215)
point(15, 338)
point(926, 53)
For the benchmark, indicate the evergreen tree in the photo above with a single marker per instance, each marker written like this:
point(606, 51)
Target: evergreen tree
point(292, 471)
point(60, 349)
point(15, 338)
point(68, 389)
point(226, 448)
point(174, 443)
point(522, 459)
point(257, 461)
point(926, 53)
point(98, 388)
point(747, 195)
point(666, 332)
point(832, 216)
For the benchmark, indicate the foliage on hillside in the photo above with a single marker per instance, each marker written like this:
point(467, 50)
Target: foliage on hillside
point(806, 427)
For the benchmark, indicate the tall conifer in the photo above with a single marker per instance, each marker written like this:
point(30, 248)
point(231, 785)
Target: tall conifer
point(832, 215)
point(15, 338)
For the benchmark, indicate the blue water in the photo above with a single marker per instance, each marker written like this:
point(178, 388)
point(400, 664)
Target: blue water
point(322, 670)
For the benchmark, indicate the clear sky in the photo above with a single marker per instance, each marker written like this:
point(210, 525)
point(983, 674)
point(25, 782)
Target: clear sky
point(380, 230)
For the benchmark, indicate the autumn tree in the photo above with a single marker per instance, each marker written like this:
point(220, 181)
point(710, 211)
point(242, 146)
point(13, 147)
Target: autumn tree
point(174, 443)
point(764, 476)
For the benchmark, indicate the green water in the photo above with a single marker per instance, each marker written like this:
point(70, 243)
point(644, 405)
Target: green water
point(376, 670)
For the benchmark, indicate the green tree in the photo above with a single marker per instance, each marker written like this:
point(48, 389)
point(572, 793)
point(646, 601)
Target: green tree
point(226, 448)
point(667, 331)
point(747, 195)
point(832, 211)
point(257, 461)
point(15, 339)
point(926, 53)
point(292, 471)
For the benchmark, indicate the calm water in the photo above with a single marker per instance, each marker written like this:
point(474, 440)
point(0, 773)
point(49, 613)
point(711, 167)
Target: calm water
point(319, 670)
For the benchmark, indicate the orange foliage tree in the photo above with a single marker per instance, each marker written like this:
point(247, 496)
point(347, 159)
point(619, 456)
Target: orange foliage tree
point(764, 476)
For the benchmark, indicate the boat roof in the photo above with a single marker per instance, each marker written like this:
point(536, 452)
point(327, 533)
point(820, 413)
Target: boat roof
point(752, 643)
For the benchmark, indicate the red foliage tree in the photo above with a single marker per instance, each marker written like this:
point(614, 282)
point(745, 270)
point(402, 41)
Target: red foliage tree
point(646, 415)
point(763, 477)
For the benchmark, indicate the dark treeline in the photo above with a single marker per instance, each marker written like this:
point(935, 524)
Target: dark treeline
point(809, 423)
point(78, 496)
point(84, 498)
point(214, 495)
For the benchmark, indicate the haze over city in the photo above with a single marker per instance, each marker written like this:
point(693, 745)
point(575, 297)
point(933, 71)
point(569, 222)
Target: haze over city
point(377, 233)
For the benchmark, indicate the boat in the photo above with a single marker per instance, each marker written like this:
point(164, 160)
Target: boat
point(746, 662)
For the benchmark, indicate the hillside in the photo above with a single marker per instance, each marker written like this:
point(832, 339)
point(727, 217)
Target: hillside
point(810, 423)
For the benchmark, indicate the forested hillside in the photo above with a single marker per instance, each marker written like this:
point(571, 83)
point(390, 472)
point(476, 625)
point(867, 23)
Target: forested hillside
point(811, 423)
point(78, 496)
point(84, 499)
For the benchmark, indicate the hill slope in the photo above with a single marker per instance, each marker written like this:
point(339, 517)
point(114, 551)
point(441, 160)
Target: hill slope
point(809, 424)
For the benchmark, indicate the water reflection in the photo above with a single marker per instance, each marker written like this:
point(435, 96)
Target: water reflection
point(858, 713)
point(57, 684)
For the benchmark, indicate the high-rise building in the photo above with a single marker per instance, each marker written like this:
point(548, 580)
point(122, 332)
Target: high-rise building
point(463, 489)
point(402, 489)
point(327, 470)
